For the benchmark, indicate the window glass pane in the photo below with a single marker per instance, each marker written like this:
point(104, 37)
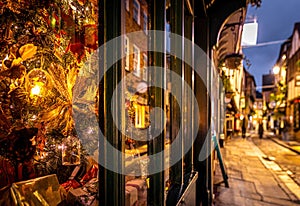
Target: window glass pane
point(136, 11)
point(136, 107)
point(145, 22)
point(136, 61)
point(145, 71)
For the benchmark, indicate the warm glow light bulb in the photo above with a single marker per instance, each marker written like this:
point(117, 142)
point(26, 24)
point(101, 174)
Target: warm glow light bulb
point(37, 81)
point(36, 90)
point(276, 70)
point(241, 117)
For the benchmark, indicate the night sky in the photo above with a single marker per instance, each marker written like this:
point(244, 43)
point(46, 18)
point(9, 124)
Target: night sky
point(276, 20)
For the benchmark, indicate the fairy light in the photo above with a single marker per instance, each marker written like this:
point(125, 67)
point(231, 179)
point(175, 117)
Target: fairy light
point(61, 146)
point(35, 91)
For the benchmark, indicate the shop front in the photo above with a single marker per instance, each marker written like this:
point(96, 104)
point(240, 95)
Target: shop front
point(87, 115)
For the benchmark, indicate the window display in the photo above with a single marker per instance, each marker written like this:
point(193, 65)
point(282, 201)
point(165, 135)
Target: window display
point(50, 144)
point(44, 46)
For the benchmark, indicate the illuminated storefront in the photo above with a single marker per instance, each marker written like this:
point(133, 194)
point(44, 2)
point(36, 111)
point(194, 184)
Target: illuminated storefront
point(52, 102)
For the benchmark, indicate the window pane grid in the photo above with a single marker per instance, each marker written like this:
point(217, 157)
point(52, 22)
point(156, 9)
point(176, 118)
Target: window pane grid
point(136, 11)
point(136, 61)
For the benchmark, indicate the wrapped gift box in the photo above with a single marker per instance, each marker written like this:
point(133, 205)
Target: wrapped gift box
point(40, 191)
point(91, 186)
point(92, 173)
point(141, 187)
point(131, 196)
point(80, 196)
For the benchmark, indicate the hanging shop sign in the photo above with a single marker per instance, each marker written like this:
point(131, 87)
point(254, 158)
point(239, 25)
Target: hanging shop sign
point(249, 35)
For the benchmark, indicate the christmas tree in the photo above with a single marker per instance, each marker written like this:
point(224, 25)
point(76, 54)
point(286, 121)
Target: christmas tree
point(44, 46)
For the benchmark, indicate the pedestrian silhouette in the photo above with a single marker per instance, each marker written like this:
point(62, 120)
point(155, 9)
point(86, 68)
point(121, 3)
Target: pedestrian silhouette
point(285, 130)
point(260, 130)
point(244, 128)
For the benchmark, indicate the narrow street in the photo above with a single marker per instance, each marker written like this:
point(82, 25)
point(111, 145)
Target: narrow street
point(260, 172)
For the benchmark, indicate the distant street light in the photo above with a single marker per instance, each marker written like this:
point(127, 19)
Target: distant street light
point(276, 70)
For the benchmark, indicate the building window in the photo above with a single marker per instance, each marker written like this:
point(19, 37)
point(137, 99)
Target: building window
point(145, 25)
point(127, 5)
point(145, 64)
point(168, 38)
point(297, 80)
point(136, 61)
point(136, 11)
point(141, 116)
point(126, 50)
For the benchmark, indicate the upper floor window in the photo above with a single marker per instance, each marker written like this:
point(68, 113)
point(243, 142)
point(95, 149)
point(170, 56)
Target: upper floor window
point(126, 51)
point(168, 39)
point(145, 22)
point(145, 62)
point(136, 61)
point(136, 11)
point(127, 5)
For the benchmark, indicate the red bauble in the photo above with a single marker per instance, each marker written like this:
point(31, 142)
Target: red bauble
point(78, 50)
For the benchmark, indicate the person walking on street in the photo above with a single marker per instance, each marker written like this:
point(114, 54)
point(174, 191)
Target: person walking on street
point(285, 130)
point(244, 128)
point(260, 130)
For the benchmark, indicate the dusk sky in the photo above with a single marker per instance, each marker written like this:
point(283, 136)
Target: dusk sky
point(276, 20)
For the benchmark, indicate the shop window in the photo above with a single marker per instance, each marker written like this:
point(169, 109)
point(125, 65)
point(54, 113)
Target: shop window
point(136, 11)
point(136, 61)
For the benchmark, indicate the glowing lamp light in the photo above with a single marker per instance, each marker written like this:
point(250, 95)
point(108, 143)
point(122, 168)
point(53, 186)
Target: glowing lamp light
point(242, 117)
point(61, 146)
point(38, 83)
point(276, 69)
point(35, 91)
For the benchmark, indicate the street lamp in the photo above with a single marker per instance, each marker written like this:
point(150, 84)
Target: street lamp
point(276, 70)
